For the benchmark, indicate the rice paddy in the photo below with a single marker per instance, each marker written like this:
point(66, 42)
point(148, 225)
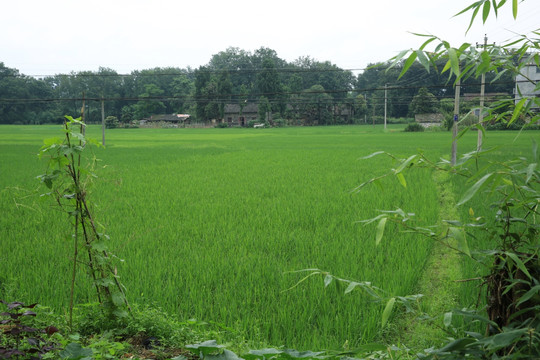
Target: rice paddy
point(213, 222)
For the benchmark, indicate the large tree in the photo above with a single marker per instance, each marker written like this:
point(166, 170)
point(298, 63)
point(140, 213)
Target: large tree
point(424, 103)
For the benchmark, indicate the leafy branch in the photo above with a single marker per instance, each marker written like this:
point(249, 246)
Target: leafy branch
point(68, 176)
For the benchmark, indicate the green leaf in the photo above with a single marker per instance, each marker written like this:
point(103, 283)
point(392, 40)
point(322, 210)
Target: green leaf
point(387, 311)
point(372, 155)
point(99, 246)
point(74, 351)
point(427, 42)
point(459, 235)
point(380, 230)
point(408, 63)
point(454, 61)
point(179, 357)
point(530, 172)
point(295, 354)
point(447, 320)
point(351, 287)
point(529, 294)
point(504, 339)
point(206, 347)
point(422, 58)
point(485, 12)
point(401, 179)
point(225, 355)
point(476, 4)
point(519, 263)
point(458, 344)
point(117, 298)
point(405, 163)
point(328, 279)
point(517, 110)
point(474, 189)
point(483, 67)
point(514, 8)
point(475, 12)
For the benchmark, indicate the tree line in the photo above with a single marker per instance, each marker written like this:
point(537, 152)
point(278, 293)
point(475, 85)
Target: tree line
point(310, 91)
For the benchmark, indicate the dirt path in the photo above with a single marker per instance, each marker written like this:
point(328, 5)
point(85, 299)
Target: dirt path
point(438, 282)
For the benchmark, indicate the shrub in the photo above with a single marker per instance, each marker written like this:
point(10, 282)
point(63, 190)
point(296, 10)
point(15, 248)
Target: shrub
point(111, 122)
point(414, 127)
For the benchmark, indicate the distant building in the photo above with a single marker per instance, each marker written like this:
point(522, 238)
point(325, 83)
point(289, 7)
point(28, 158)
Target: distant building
point(173, 119)
point(431, 119)
point(524, 87)
point(233, 115)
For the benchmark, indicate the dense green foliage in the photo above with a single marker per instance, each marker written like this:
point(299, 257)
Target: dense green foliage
point(304, 91)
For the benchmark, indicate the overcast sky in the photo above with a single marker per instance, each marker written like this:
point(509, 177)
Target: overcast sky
point(59, 36)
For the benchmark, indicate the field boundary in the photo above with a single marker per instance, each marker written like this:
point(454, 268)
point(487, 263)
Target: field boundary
point(438, 281)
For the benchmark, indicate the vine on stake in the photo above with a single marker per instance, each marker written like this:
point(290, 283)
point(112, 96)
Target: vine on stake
point(67, 177)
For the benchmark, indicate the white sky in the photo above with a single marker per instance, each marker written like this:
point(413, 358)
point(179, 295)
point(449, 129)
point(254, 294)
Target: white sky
point(59, 36)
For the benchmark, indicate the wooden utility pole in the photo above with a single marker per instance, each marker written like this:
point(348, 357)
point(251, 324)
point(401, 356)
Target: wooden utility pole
point(456, 119)
point(82, 113)
point(385, 103)
point(365, 113)
point(481, 114)
point(102, 121)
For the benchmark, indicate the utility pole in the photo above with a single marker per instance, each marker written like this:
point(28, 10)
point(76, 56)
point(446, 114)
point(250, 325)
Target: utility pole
point(102, 121)
point(82, 113)
point(456, 119)
point(482, 91)
point(385, 103)
point(365, 113)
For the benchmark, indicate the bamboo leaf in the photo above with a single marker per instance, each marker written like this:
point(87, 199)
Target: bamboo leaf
point(427, 41)
point(514, 8)
point(474, 189)
point(401, 179)
point(529, 294)
point(447, 320)
point(351, 287)
point(517, 110)
point(454, 61)
point(380, 230)
point(485, 11)
point(519, 263)
point(423, 59)
point(405, 163)
point(530, 172)
point(408, 63)
point(328, 279)
point(459, 235)
point(475, 12)
point(372, 155)
point(388, 310)
point(476, 4)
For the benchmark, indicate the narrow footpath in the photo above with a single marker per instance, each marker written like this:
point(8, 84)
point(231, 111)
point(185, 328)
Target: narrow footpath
point(438, 282)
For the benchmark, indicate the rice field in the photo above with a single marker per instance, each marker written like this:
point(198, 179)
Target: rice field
point(211, 222)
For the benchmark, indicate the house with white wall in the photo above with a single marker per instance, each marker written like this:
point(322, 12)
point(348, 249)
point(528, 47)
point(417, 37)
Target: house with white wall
point(527, 82)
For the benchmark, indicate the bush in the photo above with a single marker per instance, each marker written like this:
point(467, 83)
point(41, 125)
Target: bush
point(222, 125)
point(280, 122)
point(414, 127)
point(111, 122)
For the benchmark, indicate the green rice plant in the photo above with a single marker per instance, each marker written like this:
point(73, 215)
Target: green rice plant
point(211, 223)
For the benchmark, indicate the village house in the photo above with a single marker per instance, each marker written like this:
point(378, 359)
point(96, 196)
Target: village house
point(233, 115)
point(168, 119)
point(524, 87)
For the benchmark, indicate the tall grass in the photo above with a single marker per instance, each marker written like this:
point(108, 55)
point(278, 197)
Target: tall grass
point(211, 222)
